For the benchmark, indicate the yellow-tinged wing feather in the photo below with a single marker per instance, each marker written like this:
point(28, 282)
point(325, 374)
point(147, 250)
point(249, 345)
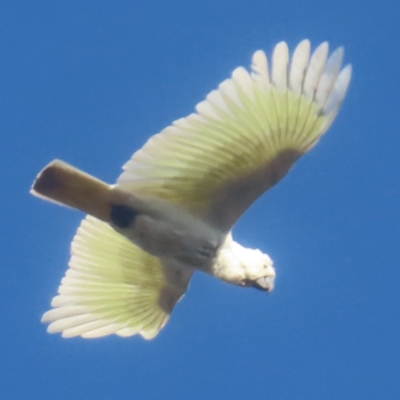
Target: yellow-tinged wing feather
point(112, 286)
point(245, 136)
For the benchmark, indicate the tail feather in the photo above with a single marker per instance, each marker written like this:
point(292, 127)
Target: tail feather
point(65, 184)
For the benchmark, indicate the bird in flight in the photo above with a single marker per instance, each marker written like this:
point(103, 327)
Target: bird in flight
point(172, 210)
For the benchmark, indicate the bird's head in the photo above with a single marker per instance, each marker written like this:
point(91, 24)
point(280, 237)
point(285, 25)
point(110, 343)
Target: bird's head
point(245, 267)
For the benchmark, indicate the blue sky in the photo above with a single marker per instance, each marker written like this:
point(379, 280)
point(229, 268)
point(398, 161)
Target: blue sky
point(89, 82)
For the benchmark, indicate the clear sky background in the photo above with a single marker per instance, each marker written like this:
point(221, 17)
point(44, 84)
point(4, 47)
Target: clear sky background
point(89, 82)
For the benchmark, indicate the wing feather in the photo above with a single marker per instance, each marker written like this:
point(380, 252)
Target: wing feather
point(245, 136)
point(299, 66)
point(260, 70)
point(280, 62)
point(315, 69)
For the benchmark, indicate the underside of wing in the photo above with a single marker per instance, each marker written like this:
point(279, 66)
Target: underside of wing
point(245, 136)
point(112, 287)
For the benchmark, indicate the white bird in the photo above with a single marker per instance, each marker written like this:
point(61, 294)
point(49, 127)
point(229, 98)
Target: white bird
point(172, 210)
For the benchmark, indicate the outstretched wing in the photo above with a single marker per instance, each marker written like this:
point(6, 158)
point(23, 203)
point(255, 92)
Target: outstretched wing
point(112, 286)
point(245, 136)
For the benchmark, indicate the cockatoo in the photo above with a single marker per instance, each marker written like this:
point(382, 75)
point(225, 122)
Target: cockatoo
point(172, 210)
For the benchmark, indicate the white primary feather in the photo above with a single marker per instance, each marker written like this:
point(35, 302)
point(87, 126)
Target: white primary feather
point(299, 66)
point(280, 62)
point(314, 70)
point(338, 93)
point(260, 70)
point(329, 76)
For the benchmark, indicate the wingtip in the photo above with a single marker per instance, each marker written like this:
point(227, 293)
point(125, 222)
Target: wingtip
point(338, 94)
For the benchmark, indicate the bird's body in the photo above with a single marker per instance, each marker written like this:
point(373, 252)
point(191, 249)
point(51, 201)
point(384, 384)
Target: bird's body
point(172, 210)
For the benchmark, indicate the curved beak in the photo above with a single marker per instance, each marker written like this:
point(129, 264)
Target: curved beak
point(265, 283)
